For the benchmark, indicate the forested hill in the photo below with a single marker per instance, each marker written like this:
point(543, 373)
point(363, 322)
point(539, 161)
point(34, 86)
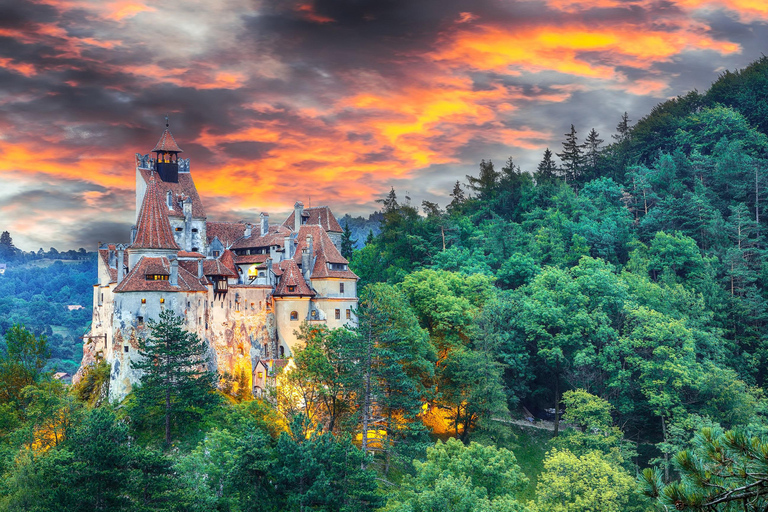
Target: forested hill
point(617, 291)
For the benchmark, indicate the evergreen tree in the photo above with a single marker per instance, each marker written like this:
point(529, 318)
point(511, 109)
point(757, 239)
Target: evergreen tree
point(457, 198)
point(176, 388)
point(390, 202)
point(547, 170)
point(623, 129)
point(593, 153)
point(22, 363)
point(347, 243)
point(572, 156)
point(486, 185)
point(7, 249)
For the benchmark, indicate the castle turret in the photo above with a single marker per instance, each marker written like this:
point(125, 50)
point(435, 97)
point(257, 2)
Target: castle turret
point(167, 156)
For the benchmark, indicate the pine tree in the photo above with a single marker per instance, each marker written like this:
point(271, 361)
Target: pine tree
point(486, 185)
point(547, 170)
point(7, 249)
point(390, 202)
point(458, 198)
point(176, 386)
point(572, 156)
point(622, 129)
point(347, 243)
point(593, 152)
point(370, 238)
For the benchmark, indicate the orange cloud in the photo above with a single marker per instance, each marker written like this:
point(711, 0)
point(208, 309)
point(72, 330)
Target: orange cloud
point(571, 50)
point(746, 10)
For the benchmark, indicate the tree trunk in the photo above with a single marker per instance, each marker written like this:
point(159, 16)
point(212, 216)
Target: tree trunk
point(168, 415)
point(666, 455)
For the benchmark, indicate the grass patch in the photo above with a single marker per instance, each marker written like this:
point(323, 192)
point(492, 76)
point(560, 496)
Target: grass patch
point(530, 448)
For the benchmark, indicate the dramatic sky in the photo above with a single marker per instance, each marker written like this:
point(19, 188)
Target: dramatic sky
point(328, 101)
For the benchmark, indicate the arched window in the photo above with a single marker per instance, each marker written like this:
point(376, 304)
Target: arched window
point(294, 315)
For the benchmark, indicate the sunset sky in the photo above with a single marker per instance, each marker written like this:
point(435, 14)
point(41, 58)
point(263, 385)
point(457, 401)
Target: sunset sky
point(332, 102)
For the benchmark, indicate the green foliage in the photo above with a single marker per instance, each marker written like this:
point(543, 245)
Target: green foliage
point(22, 362)
point(93, 387)
point(572, 484)
point(176, 390)
point(462, 478)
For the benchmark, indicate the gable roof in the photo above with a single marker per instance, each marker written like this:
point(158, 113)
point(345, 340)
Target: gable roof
point(324, 252)
point(319, 216)
point(184, 188)
point(104, 253)
point(136, 280)
point(217, 268)
point(275, 236)
point(292, 277)
point(153, 230)
point(167, 143)
point(227, 232)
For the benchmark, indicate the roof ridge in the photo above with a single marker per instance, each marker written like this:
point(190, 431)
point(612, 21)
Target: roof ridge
point(153, 229)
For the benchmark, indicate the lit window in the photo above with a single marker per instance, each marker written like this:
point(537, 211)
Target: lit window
point(215, 254)
point(162, 300)
point(260, 374)
point(143, 301)
point(157, 277)
point(338, 314)
point(349, 315)
point(294, 315)
point(291, 288)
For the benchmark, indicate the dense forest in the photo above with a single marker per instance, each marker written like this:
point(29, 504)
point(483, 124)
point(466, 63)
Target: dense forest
point(586, 335)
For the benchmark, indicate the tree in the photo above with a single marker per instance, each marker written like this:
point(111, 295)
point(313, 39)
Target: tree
point(23, 362)
point(623, 129)
point(347, 242)
point(457, 198)
point(572, 156)
point(390, 364)
point(7, 249)
point(462, 478)
point(723, 471)
point(546, 171)
point(582, 484)
point(487, 183)
point(592, 153)
point(176, 387)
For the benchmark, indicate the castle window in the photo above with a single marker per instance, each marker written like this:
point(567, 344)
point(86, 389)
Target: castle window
point(169, 200)
point(291, 288)
point(195, 249)
point(143, 301)
point(125, 348)
point(338, 314)
point(260, 374)
point(337, 266)
point(282, 352)
point(162, 300)
point(194, 230)
point(140, 320)
point(341, 287)
point(187, 303)
point(215, 254)
point(178, 230)
point(349, 314)
point(294, 315)
point(157, 277)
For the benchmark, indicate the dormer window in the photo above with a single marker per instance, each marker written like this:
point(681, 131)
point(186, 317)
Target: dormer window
point(169, 200)
point(157, 277)
point(291, 288)
point(337, 266)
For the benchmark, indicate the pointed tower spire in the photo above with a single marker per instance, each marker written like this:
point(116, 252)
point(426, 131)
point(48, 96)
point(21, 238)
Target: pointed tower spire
point(153, 229)
point(167, 155)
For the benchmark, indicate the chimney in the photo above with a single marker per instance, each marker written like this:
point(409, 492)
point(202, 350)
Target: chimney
point(120, 262)
point(174, 279)
point(112, 261)
point(187, 208)
point(264, 217)
point(306, 258)
point(200, 268)
point(268, 270)
point(133, 234)
point(287, 246)
point(298, 211)
point(248, 230)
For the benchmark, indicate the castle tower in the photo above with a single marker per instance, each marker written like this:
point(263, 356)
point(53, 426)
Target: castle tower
point(167, 156)
point(154, 235)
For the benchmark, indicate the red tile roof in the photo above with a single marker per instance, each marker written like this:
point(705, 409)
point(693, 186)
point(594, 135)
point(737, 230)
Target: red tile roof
point(325, 252)
point(320, 216)
point(217, 268)
point(275, 236)
point(167, 143)
point(153, 230)
point(104, 253)
point(184, 188)
point(227, 232)
point(228, 260)
point(136, 280)
point(251, 258)
point(185, 254)
point(292, 277)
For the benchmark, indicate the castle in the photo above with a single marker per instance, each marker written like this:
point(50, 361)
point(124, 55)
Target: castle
point(245, 288)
